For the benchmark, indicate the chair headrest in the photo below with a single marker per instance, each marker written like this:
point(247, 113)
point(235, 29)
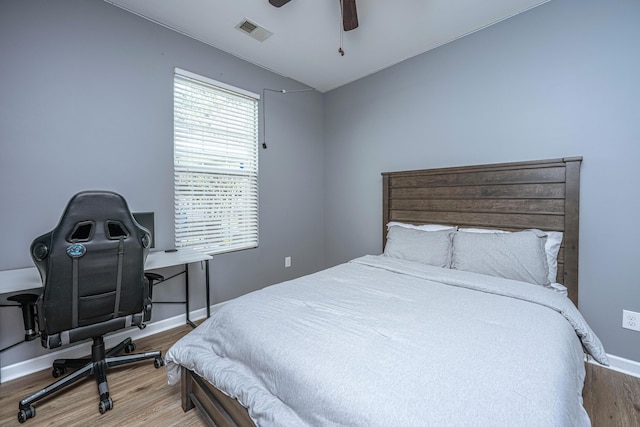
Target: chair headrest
point(92, 215)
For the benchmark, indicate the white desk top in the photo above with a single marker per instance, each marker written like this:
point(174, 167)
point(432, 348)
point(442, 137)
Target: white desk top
point(19, 280)
point(24, 279)
point(162, 259)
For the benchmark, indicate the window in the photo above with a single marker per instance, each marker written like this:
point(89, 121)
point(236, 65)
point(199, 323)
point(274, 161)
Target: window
point(215, 164)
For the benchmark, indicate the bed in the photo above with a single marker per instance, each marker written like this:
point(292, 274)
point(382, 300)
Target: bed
point(467, 318)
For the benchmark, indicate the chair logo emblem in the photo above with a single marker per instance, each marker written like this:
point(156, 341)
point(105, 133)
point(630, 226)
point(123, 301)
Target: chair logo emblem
point(76, 250)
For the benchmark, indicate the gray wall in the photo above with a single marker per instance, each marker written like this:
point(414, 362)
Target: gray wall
point(86, 103)
point(559, 80)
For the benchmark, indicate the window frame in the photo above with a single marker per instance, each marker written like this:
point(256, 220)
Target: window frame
point(216, 159)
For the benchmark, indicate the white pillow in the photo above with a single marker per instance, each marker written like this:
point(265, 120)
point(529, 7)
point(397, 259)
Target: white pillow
point(560, 289)
point(482, 230)
point(426, 247)
point(423, 227)
point(551, 247)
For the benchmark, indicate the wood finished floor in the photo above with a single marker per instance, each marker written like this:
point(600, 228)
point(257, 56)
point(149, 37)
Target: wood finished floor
point(141, 396)
point(140, 393)
point(612, 399)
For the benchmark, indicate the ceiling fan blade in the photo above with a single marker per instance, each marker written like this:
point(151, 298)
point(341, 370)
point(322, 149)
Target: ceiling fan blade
point(279, 3)
point(349, 15)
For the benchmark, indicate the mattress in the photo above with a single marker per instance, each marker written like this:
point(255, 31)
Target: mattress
point(381, 341)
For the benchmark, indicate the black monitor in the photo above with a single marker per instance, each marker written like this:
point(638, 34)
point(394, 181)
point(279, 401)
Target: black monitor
point(147, 220)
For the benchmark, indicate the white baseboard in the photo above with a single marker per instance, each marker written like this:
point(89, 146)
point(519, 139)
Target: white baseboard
point(619, 364)
point(36, 364)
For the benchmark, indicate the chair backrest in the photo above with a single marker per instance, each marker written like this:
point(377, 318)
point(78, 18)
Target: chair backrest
point(91, 265)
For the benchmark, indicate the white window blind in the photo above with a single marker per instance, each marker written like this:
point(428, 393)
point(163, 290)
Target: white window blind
point(215, 165)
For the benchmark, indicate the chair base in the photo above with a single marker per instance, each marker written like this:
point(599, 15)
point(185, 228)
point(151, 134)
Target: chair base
point(95, 366)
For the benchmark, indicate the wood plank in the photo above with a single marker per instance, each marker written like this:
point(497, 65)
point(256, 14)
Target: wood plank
point(539, 206)
point(572, 227)
point(485, 220)
point(386, 207)
point(223, 410)
point(515, 191)
point(463, 177)
point(532, 164)
point(560, 274)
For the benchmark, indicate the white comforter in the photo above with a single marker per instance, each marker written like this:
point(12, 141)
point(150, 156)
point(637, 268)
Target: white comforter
point(384, 342)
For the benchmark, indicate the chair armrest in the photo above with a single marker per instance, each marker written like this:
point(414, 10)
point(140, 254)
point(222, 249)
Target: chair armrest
point(152, 279)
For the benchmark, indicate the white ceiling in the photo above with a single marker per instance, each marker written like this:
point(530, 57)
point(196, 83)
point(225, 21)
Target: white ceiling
point(306, 33)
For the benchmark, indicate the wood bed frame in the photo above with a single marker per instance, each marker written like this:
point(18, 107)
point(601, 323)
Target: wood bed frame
point(509, 196)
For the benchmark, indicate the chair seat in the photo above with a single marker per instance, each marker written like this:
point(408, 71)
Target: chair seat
point(83, 333)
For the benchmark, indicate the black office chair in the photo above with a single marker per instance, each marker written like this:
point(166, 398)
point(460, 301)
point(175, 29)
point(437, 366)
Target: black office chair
point(92, 269)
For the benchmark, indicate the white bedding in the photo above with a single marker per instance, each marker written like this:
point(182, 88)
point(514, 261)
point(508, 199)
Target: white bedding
point(385, 342)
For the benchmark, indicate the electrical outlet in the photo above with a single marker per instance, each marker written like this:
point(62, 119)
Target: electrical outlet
point(287, 262)
point(631, 320)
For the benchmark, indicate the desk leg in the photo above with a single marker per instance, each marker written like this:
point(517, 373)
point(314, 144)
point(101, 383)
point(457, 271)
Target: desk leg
point(208, 291)
point(186, 291)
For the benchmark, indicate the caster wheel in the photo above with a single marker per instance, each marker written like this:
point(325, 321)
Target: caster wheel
point(129, 348)
point(56, 372)
point(25, 414)
point(105, 405)
point(158, 362)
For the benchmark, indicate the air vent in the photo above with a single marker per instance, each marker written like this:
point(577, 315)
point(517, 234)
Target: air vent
point(254, 30)
point(248, 26)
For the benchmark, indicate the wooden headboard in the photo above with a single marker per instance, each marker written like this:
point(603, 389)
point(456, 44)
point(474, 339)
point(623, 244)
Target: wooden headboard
point(541, 194)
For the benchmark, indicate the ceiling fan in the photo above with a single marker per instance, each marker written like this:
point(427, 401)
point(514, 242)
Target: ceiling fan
point(349, 12)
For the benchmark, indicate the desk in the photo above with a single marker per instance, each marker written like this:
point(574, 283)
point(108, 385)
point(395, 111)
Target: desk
point(186, 256)
point(27, 280)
